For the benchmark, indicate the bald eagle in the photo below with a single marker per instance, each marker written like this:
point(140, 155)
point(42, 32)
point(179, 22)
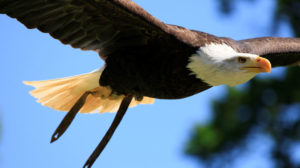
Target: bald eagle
point(144, 57)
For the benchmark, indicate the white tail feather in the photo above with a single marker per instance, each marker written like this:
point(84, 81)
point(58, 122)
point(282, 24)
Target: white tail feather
point(61, 94)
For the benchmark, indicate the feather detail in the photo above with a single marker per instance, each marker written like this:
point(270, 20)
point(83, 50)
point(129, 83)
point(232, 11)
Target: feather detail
point(61, 94)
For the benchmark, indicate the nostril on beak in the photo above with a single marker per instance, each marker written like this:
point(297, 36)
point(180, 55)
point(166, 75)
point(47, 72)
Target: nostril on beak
point(258, 59)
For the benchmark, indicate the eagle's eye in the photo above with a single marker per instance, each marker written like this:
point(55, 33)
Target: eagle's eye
point(242, 60)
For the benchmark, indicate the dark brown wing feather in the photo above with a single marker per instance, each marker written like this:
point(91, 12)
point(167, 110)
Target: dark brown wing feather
point(136, 47)
point(104, 25)
point(280, 51)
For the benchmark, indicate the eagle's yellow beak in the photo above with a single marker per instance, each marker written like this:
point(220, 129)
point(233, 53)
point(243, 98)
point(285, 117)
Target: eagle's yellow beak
point(259, 65)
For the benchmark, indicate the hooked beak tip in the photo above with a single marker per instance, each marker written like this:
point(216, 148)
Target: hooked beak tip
point(264, 64)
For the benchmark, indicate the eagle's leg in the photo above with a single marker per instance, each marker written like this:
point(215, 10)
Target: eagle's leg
point(65, 123)
point(121, 112)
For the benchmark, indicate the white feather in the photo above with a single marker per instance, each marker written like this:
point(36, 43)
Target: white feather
point(61, 94)
point(209, 64)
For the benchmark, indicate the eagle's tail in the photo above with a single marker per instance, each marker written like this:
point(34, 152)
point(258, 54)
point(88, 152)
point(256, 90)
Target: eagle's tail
point(61, 94)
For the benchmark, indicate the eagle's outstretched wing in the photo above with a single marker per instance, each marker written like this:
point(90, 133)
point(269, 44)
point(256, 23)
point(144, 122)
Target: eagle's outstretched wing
point(102, 25)
point(279, 51)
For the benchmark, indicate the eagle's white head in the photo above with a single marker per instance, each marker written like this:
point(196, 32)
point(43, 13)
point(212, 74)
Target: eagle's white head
point(218, 64)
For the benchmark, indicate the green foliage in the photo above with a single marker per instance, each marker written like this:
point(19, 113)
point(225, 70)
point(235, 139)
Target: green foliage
point(264, 104)
point(289, 10)
point(269, 107)
point(227, 6)
point(286, 11)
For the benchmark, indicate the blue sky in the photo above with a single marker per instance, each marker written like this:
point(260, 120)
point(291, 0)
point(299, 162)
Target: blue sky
point(149, 135)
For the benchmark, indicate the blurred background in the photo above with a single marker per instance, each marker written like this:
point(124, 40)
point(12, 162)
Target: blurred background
point(260, 120)
point(254, 125)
